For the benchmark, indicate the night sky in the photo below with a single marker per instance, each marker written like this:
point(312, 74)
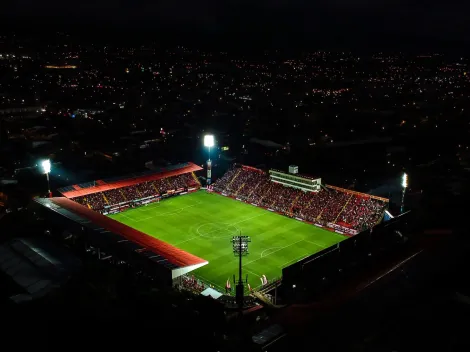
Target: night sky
point(287, 21)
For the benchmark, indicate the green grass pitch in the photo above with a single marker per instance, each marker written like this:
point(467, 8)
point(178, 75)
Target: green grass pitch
point(203, 223)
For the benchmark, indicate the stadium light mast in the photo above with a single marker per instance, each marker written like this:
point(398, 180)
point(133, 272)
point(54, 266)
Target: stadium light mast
point(46, 168)
point(209, 142)
point(240, 249)
point(404, 184)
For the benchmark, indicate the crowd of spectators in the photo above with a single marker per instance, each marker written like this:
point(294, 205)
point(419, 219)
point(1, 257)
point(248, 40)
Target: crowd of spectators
point(192, 284)
point(114, 196)
point(147, 189)
point(347, 209)
point(93, 201)
point(361, 210)
point(180, 182)
point(99, 200)
point(131, 192)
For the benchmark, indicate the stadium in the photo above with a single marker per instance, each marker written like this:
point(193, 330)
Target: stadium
point(170, 226)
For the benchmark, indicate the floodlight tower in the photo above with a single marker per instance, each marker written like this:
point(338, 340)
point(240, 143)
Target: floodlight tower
point(46, 168)
point(404, 184)
point(240, 249)
point(209, 142)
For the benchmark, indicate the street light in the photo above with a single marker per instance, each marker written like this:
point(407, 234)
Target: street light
point(209, 142)
point(46, 168)
point(404, 184)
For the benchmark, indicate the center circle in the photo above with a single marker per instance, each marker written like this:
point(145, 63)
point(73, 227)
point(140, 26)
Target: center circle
point(217, 230)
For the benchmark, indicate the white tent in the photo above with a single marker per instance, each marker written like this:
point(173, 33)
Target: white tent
point(211, 292)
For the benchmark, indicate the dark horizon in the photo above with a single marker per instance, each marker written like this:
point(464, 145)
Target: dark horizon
point(233, 41)
point(343, 25)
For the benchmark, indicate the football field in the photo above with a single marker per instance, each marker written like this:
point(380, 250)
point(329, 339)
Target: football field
point(203, 224)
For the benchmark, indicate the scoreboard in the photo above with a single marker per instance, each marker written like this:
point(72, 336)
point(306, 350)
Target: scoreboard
point(304, 183)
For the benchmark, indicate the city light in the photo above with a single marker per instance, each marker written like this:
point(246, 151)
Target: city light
point(209, 140)
point(46, 166)
point(60, 67)
point(404, 181)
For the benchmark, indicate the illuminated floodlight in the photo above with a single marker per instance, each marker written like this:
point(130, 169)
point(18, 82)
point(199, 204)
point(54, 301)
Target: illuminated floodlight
point(209, 140)
point(404, 181)
point(46, 166)
point(209, 143)
point(240, 245)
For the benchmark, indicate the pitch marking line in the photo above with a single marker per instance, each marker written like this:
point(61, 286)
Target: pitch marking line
point(252, 272)
point(220, 229)
point(315, 243)
point(166, 203)
point(189, 239)
point(226, 227)
point(268, 250)
point(302, 257)
point(205, 235)
point(280, 249)
point(271, 230)
point(127, 217)
point(294, 260)
point(252, 217)
point(176, 211)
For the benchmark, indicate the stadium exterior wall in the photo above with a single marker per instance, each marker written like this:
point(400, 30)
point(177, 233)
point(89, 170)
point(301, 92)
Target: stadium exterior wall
point(322, 270)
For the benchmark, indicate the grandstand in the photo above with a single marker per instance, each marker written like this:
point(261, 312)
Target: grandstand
point(304, 198)
point(119, 193)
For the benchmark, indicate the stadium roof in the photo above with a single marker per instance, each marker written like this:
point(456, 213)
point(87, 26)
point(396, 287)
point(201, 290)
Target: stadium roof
point(162, 253)
point(357, 193)
point(105, 185)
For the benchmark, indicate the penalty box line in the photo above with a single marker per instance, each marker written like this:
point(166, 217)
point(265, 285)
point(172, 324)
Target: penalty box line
point(304, 256)
point(252, 272)
point(280, 249)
